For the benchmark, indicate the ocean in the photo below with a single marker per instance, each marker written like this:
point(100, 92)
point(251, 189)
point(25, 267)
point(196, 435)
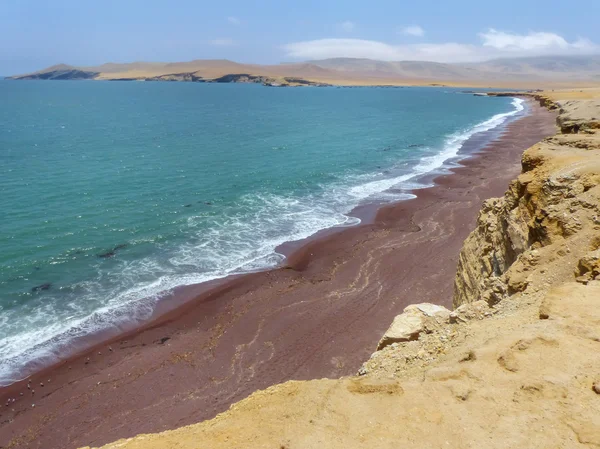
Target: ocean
point(114, 193)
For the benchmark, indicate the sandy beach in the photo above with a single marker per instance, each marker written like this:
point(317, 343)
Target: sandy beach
point(319, 316)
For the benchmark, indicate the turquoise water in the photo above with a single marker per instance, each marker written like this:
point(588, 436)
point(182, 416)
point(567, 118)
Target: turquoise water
point(114, 192)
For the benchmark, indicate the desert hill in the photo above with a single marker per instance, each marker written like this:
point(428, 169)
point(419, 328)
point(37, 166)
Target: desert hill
point(543, 67)
point(516, 72)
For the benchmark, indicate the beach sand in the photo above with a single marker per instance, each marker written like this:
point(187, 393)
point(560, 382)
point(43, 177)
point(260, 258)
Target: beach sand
point(320, 316)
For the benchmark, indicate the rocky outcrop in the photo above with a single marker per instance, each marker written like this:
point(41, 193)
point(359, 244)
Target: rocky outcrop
point(190, 77)
point(541, 98)
point(550, 210)
point(579, 116)
point(266, 80)
point(417, 318)
point(242, 78)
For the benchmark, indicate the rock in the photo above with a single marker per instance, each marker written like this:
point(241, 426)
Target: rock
point(596, 387)
point(544, 313)
point(40, 287)
point(106, 255)
point(414, 320)
point(589, 265)
point(405, 327)
point(113, 251)
point(430, 310)
point(468, 312)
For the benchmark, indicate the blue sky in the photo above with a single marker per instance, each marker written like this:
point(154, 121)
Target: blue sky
point(38, 33)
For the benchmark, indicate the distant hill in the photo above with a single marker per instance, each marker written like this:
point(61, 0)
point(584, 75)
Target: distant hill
point(511, 69)
point(207, 70)
point(510, 72)
point(544, 65)
point(401, 69)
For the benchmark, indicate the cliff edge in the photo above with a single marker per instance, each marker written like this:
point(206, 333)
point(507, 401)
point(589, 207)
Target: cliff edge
point(516, 364)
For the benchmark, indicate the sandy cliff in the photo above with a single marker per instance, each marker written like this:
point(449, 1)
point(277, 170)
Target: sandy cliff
point(515, 365)
point(546, 224)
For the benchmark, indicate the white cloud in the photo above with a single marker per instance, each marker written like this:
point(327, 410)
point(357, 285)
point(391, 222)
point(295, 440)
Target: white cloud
point(523, 42)
point(233, 20)
point(585, 45)
point(346, 26)
point(358, 48)
point(413, 30)
point(494, 44)
point(223, 42)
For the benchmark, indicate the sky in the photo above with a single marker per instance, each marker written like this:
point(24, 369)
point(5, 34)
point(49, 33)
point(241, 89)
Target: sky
point(35, 34)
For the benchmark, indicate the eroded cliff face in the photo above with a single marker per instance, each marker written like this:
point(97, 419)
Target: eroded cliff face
point(545, 229)
point(515, 365)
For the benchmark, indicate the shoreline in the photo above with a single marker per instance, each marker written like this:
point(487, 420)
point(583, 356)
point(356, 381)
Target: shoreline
point(63, 346)
point(169, 302)
point(324, 274)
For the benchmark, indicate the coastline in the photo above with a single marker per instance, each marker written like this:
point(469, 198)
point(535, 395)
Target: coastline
point(250, 332)
point(71, 341)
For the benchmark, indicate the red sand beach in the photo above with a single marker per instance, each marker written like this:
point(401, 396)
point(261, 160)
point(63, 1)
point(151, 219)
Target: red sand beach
point(320, 316)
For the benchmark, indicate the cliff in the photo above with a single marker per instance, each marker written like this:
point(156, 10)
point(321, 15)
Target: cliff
point(516, 364)
point(546, 224)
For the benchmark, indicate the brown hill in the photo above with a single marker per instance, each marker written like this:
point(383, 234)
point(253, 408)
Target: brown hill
point(518, 72)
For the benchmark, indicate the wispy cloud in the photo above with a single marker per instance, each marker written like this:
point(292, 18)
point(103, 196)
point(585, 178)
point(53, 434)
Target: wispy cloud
point(523, 42)
point(359, 48)
point(346, 26)
point(494, 44)
point(233, 20)
point(413, 30)
point(226, 42)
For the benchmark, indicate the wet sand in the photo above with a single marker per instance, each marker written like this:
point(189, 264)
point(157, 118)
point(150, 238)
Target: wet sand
point(319, 316)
